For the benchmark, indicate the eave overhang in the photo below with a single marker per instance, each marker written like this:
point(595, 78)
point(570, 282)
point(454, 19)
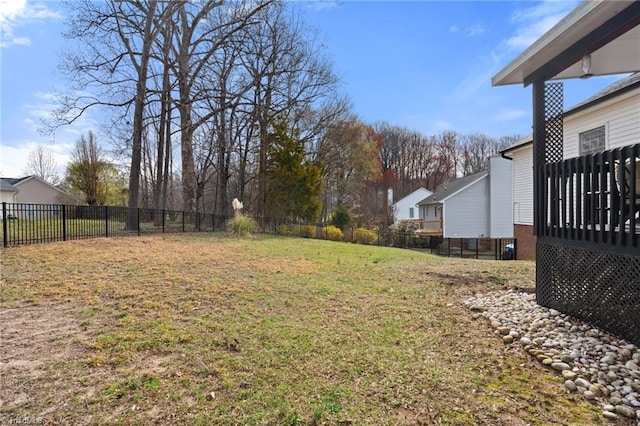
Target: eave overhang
point(607, 30)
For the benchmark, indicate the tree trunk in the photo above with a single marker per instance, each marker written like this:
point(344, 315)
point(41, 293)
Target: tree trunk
point(141, 88)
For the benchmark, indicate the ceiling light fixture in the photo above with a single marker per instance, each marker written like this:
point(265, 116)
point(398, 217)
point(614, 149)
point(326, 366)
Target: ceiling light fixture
point(586, 66)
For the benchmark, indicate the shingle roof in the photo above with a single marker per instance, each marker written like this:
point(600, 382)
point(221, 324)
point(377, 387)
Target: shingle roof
point(522, 142)
point(453, 187)
point(14, 181)
point(6, 184)
point(608, 92)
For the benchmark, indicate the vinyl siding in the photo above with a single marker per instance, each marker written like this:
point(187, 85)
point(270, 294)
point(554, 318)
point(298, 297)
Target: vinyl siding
point(523, 185)
point(33, 191)
point(620, 116)
point(401, 209)
point(7, 197)
point(466, 214)
point(501, 198)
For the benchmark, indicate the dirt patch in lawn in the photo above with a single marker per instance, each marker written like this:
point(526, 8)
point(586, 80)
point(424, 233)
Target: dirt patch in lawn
point(34, 337)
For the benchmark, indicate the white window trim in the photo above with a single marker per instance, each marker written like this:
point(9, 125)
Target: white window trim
point(605, 128)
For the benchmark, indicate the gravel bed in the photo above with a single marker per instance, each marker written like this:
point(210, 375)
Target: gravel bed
point(602, 367)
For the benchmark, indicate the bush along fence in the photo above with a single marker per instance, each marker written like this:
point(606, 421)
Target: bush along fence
point(45, 223)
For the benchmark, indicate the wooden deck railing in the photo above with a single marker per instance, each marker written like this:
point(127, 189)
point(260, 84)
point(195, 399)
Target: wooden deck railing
point(594, 198)
point(433, 226)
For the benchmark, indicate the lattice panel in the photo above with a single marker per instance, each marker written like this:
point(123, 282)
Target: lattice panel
point(598, 287)
point(553, 109)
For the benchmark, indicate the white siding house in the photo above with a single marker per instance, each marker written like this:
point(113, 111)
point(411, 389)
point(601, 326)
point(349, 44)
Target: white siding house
point(465, 213)
point(474, 206)
point(7, 191)
point(406, 208)
point(33, 190)
point(616, 113)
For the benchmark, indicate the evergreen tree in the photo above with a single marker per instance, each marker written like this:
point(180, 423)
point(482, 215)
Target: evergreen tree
point(294, 183)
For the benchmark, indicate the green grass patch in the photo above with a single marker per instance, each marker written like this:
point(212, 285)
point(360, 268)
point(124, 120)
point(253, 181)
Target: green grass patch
point(208, 329)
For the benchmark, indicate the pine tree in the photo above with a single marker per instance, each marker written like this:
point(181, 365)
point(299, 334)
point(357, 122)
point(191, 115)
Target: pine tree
point(294, 183)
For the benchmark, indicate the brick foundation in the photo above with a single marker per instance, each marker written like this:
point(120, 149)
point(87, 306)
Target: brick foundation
point(526, 241)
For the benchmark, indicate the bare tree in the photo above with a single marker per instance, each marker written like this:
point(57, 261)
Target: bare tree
point(477, 148)
point(111, 68)
point(41, 163)
point(291, 78)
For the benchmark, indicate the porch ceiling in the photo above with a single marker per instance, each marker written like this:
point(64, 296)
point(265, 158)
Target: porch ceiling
point(608, 30)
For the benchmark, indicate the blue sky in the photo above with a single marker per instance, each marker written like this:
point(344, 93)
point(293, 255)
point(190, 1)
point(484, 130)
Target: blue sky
point(425, 65)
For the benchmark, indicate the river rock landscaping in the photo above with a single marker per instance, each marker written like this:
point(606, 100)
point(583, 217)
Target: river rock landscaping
point(600, 366)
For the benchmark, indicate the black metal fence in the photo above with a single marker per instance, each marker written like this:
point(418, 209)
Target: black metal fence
point(45, 223)
point(470, 248)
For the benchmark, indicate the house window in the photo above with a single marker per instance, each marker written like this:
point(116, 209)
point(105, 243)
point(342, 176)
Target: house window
point(411, 212)
point(592, 141)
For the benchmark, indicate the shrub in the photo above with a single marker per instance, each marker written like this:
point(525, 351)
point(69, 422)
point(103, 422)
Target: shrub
point(340, 217)
point(333, 233)
point(308, 231)
point(284, 229)
point(364, 236)
point(242, 225)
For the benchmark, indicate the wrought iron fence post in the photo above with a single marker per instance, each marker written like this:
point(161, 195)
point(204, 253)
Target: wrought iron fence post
point(164, 215)
point(106, 221)
point(4, 224)
point(64, 223)
point(183, 220)
point(477, 248)
point(138, 221)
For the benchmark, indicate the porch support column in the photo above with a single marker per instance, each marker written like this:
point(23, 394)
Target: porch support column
point(539, 136)
point(547, 144)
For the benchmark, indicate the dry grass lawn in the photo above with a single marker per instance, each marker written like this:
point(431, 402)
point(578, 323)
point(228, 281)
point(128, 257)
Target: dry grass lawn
point(209, 329)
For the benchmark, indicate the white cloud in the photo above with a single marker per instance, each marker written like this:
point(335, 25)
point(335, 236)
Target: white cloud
point(475, 30)
point(478, 76)
point(534, 21)
point(508, 115)
point(442, 125)
point(322, 4)
point(14, 153)
point(470, 30)
point(13, 159)
point(530, 23)
point(16, 13)
point(41, 109)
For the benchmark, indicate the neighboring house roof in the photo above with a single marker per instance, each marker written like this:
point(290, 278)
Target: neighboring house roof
point(19, 181)
point(6, 184)
point(453, 187)
point(611, 91)
point(527, 140)
point(411, 194)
